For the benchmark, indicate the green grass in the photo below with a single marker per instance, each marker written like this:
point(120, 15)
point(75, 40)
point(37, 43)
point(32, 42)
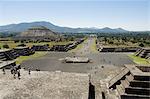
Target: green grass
point(20, 59)
point(139, 60)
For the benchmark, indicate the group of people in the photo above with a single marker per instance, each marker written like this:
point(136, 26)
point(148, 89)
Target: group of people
point(15, 70)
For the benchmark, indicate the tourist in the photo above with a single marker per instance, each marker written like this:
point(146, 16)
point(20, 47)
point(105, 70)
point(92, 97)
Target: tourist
point(14, 75)
point(18, 72)
point(37, 69)
point(29, 71)
point(12, 69)
point(3, 71)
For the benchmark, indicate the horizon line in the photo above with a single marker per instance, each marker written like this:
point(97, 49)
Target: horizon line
point(71, 26)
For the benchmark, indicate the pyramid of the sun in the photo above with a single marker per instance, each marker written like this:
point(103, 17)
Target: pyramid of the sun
point(40, 31)
point(44, 85)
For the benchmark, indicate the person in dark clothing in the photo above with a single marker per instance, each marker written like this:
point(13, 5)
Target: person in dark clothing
point(29, 71)
point(18, 73)
point(12, 70)
point(3, 71)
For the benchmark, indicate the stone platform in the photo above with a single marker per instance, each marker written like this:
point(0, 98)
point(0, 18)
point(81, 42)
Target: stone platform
point(44, 85)
point(76, 60)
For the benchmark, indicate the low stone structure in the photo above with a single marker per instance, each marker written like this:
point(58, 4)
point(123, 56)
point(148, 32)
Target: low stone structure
point(7, 64)
point(40, 48)
point(8, 54)
point(143, 53)
point(60, 48)
point(76, 60)
point(67, 47)
point(7, 58)
point(118, 49)
point(24, 51)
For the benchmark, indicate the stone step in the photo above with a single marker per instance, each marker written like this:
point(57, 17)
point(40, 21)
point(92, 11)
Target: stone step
point(125, 83)
point(132, 96)
point(1, 57)
point(129, 77)
point(137, 91)
point(143, 84)
point(120, 89)
point(114, 81)
point(142, 78)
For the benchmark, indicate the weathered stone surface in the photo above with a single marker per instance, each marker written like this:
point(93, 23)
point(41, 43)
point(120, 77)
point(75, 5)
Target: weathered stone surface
point(44, 85)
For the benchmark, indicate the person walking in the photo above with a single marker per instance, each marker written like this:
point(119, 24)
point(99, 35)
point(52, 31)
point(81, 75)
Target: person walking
point(29, 71)
point(12, 70)
point(3, 71)
point(18, 73)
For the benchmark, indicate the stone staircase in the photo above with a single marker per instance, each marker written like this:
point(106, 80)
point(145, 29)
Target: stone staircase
point(134, 84)
point(139, 88)
point(2, 57)
point(7, 58)
point(8, 55)
point(12, 54)
point(24, 51)
point(143, 53)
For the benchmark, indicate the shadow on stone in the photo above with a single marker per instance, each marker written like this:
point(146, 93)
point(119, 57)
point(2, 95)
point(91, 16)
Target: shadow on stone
point(91, 91)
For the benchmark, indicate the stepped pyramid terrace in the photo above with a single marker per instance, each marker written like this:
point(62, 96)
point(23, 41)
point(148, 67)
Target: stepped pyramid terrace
point(143, 52)
point(133, 82)
point(38, 33)
point(7, 58)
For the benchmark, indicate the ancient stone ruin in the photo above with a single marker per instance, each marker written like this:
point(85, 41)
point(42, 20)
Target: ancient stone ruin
point(143, 53)
point(76, 60)
point(24, 51)
point(131, 83)
point(118, 49)
point(39, 33)
point(7, 58)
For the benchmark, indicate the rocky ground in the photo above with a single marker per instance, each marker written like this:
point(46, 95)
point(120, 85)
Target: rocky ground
point(44, 85)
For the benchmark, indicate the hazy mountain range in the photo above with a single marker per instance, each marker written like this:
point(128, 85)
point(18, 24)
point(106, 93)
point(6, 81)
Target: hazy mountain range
point(13, 28)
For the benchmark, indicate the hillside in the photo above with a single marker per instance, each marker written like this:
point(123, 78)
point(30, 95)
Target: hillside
point(13, 28)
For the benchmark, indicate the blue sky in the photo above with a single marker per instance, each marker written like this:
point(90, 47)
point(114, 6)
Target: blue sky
point(127, 14)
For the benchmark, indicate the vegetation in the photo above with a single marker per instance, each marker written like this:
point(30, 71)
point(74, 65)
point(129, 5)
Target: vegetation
point(125, 39)
point(5, 46)
point(24, 58)
point(141, 45)
point(139, 60)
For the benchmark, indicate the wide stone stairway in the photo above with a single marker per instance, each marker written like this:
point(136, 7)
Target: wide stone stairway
point(131, 83)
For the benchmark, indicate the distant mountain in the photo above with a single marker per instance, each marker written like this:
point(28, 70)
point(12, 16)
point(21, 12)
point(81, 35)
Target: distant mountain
point(15, 28)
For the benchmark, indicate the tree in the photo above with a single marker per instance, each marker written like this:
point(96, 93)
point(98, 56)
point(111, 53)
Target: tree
point(141, 45)
point(5, 46)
